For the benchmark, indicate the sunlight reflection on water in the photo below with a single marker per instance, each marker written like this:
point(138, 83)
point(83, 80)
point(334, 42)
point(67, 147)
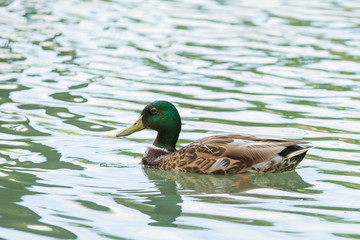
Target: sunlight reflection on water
point(73, 72)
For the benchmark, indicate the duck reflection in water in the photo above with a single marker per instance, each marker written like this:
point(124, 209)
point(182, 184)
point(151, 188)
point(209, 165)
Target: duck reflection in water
point(164, 207)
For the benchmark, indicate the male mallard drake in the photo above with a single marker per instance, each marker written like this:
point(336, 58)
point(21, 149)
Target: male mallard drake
point(218, 154)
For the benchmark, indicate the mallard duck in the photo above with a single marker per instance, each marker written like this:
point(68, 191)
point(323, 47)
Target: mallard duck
point(218, 154)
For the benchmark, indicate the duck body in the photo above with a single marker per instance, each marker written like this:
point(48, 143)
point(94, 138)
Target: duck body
point(229, 154)
point(218, 154)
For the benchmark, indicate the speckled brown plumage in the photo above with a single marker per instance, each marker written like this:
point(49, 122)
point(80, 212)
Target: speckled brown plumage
point(229, 154)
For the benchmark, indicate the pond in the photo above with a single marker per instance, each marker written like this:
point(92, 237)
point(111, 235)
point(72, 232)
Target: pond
point(75, 72)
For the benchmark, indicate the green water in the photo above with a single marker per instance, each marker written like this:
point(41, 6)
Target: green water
point(75, 72)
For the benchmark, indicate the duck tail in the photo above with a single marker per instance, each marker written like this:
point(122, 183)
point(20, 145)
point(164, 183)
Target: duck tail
point(298, 152)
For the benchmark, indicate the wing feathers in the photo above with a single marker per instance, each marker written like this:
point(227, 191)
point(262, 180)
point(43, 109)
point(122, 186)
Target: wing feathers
point(230, 154)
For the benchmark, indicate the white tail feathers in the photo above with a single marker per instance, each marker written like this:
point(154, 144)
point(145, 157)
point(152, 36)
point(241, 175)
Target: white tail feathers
point(298, 152)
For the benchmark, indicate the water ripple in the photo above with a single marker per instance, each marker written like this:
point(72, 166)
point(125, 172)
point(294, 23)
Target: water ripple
point(72, 72)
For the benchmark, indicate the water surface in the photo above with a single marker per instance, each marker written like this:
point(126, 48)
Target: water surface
point(75, 72)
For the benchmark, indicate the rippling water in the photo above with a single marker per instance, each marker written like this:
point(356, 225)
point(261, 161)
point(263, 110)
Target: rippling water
point(74, 72)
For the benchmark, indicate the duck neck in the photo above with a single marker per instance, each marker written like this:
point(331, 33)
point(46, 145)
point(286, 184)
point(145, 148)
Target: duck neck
point(167, 140)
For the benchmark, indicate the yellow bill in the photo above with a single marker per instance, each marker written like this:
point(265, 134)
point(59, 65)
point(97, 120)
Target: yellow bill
point(137, 126)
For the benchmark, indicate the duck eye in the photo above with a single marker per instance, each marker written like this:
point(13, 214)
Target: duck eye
point(154, 110)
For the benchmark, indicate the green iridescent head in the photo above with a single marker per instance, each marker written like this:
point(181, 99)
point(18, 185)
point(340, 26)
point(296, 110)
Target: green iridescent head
point(161, 116)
